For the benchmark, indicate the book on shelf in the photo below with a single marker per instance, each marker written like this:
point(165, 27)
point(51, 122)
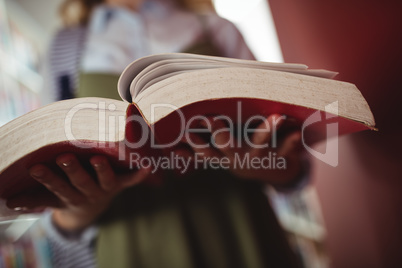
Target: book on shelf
point(162, 96)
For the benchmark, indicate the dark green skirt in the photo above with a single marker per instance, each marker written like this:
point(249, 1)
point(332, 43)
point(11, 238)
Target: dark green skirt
point(210, 219)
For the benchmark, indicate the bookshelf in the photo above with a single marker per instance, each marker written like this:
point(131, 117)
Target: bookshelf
point(21, 84)
point(21, 81)
point(299, 213)
point(23, 243)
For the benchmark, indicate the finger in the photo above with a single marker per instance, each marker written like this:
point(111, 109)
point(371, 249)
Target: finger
point(104, 172)
point(221, 136)
point(78, 176)
point(292, 143)
point(56, 184)
point(33, 200)
point(183, 153)
point(197, 145)
point(267, 131)
point(183, 150)
point(134, 178)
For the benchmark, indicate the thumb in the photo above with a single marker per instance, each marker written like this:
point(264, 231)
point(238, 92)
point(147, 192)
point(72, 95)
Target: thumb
point(136, 177)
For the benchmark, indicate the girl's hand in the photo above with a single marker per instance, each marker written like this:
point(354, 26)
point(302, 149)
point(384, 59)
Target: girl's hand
point(285, 153)
point(78, 201)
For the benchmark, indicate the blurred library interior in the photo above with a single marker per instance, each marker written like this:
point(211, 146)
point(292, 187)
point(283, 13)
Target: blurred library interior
point(347, 216)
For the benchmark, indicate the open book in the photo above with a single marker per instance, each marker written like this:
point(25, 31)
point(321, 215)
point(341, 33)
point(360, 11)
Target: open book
point(162, 95)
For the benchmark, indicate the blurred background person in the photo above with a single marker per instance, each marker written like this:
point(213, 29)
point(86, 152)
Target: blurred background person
point(103, 37)
point(204, 220)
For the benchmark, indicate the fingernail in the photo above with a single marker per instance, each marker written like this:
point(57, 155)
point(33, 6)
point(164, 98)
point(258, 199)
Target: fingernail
point(64, 160)
point(203, 123)
point(37, 173)
point(291, 119)
point(20, 208)
point(66, 163)
point(98, 165)
point(297, 137)
point(278, 118)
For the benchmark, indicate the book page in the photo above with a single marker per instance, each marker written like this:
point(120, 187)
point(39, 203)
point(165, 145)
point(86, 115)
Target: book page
point(168, 66)
point(307, 91)
point(134, 69)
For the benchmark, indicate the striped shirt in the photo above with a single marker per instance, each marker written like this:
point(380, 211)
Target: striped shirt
point(70, 250)
point(115, 37)
point(164, 29)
